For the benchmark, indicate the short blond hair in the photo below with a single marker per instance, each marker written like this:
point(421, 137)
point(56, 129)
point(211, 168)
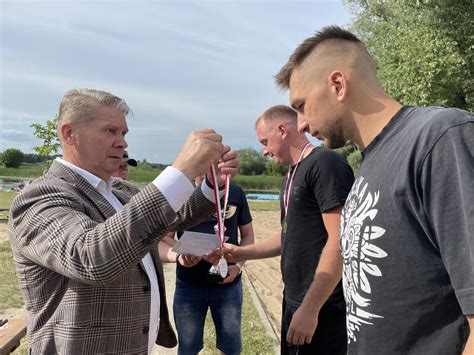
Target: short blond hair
point(277, 112)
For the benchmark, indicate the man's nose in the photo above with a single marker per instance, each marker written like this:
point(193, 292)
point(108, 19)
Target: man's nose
point(122, 142)
point(302, 124)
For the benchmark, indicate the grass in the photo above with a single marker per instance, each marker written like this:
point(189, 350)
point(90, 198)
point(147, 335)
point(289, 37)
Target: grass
point(24, 171)
point(263, 183)
point(254, 336)
point(9, 293)
point(256, 205)
point(6, 199)
point(142, 176)
point(146, 174)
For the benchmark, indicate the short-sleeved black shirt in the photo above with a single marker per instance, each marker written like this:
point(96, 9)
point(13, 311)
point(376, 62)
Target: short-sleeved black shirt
point(322, 181)
point(237, 214)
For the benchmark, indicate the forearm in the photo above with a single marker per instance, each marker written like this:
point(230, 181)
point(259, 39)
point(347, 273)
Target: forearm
point(326, 277)
point(469, 348)
point(266, 249)
point(62, 236)
point(329, 270)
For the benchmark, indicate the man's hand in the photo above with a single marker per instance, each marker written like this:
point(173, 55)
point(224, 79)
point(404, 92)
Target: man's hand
point(232, 272)
point(201, 149)
point(228, 165)
point(302, 327)
point(232, 253)
point(188, 260)
point(212, 257)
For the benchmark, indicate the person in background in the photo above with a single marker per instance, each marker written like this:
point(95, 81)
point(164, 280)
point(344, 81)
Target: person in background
point(407, 232)
point(122, 172)
point(198, 291)
point(311, 199)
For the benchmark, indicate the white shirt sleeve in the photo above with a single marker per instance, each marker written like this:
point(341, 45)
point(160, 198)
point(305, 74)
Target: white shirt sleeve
point(177, 188)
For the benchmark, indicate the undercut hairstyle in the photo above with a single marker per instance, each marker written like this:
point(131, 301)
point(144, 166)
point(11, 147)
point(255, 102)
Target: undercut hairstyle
point(277, 113)
point(329, 33)
point(79, 106)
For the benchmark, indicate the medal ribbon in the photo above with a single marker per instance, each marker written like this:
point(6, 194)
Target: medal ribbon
point(290, 178)
point(220, 213)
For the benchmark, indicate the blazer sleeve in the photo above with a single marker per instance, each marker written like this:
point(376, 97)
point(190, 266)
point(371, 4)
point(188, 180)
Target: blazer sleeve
point(54, 227)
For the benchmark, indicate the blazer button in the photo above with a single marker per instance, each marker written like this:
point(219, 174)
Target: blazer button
point(146, 330)
point(146, 288)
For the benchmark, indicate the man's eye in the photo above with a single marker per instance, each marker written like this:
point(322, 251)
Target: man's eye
point(300, 108)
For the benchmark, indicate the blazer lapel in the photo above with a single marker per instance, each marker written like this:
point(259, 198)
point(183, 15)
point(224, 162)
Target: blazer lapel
point(90, 193)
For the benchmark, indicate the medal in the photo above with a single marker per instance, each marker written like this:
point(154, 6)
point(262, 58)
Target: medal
point(223, 267)
point(283, 228)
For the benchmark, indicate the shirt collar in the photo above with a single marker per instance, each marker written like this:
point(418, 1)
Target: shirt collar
point(95, 181)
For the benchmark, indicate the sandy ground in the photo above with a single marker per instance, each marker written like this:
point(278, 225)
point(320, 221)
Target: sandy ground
point(264, 275)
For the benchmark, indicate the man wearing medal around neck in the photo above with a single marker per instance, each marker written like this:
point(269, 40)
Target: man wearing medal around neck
point(311, 199)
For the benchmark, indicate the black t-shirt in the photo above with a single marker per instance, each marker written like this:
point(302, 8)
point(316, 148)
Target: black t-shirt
point(407, 236)
point(237, 214)
point(322, 181)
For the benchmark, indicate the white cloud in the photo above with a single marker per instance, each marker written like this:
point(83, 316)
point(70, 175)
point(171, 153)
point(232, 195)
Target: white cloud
point(180, 65)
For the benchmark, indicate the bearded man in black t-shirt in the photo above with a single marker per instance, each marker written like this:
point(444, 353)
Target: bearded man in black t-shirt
point(311, 198)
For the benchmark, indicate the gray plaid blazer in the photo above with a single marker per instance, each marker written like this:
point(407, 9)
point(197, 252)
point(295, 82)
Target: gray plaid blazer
point(78, 262)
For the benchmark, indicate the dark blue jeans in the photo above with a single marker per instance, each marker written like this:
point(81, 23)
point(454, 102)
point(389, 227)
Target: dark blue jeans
point(190, 307)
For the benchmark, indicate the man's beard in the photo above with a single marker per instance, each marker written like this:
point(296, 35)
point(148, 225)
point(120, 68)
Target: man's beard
point(334, 137)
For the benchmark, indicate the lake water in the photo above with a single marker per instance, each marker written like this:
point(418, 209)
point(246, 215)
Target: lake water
point(7, 183)
point(263, 197)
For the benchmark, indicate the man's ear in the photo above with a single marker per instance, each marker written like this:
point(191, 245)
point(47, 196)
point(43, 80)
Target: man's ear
point(338, 84)
point(282, 130)
point(67, 134)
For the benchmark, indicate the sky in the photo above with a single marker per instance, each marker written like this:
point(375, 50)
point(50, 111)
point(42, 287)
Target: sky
point(180, 65)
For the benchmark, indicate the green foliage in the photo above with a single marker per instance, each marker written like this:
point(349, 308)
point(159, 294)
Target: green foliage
point(251, 162)
point(424, 49)
point(12, 158)
point(49, 135)
point(271, 168)
point(354, 160)
point(351, 152)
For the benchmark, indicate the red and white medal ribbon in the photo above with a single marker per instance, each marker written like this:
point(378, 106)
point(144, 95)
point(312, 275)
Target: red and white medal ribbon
point(220, 214)
point(290, 179)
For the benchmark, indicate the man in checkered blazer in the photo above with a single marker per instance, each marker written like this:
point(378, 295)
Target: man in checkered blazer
point(85, 244)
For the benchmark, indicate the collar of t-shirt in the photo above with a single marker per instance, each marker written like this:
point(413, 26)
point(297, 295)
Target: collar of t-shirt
point(105, 189)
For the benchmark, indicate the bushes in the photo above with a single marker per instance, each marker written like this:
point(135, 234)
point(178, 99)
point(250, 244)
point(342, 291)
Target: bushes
point(12, 158)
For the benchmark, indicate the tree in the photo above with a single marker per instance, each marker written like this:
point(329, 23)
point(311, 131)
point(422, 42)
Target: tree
point(251, 162)
point(271, 168)
point(424, 49)
point(49, 134)
point(12, 158)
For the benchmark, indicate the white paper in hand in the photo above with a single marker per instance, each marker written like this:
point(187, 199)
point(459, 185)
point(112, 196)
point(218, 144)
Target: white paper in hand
point(197, 244)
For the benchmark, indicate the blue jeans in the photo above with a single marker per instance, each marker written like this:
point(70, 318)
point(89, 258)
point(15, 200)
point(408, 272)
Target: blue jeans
point(190, 308)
